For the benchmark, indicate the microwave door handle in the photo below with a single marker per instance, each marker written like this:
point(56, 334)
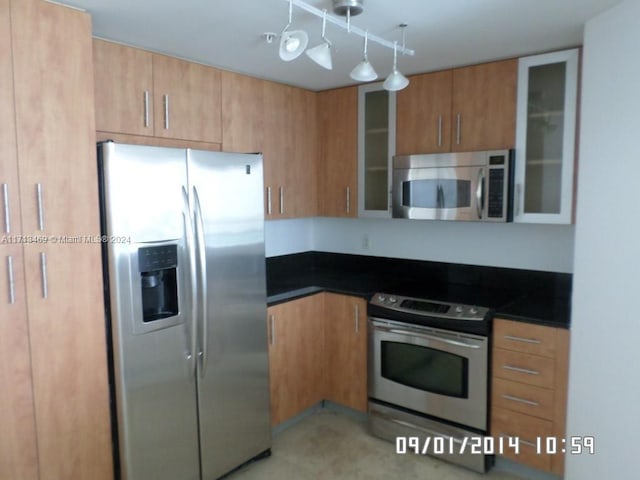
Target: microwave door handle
point(439, 197)
point(480, 193)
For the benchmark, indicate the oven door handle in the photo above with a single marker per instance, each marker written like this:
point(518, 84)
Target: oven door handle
point(435, 338)
point(413, 426)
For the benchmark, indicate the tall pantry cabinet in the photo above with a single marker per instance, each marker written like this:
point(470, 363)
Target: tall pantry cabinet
point(54, 404)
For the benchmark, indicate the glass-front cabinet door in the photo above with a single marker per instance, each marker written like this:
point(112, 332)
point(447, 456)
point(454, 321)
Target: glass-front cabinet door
point(376, 147)
point(545, 137)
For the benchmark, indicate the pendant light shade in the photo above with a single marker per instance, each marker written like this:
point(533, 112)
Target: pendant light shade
point(364, 72)
point(396, 80)
point(292, 42)
point(321, 54)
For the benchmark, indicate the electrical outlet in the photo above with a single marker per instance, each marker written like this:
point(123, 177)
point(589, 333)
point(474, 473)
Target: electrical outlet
point(365, 241)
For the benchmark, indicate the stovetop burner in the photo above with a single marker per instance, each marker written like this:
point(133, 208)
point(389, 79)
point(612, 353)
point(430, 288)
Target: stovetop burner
point(447, 315)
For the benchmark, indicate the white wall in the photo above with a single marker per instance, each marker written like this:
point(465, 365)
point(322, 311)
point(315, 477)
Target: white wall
point(604, 386)
point(532, 247)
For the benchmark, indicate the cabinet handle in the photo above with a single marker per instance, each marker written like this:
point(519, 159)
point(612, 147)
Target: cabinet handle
point(166, 111)
point(281, 200)
point(458, 128)
point(521, 400)
point(439, 130)
point(356, 312)
point(12, 292)
point(522, 340)
point(272, 330)
point(7, 213)
point(268, 200)
point(43, 271)
point(40, 207)
point(146, 109)
point(520, 370)
point(348, 199)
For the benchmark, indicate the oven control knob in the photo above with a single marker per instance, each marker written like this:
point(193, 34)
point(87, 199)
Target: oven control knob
point(382, 298)
point(459, 309)
point(393, 300)
point(473, 310)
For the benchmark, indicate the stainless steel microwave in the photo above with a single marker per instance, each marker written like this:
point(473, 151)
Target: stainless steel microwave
point(471, 186)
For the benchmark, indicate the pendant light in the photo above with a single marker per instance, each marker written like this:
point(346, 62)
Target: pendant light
point(364, 72)
point(292, 42)
point(396, 80)
point(321, 54)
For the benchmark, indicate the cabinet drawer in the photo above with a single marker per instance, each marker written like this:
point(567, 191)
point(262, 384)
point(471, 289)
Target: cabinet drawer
point(526, 429)
point(523, 398)
point(524, 337)
point(523, 368)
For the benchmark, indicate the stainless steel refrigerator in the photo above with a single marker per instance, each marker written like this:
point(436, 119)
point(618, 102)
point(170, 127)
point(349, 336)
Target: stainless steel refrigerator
point(183, 234)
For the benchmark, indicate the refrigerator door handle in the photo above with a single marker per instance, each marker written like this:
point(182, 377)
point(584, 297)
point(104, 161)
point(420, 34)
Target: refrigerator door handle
point(188, 228)
point(199, 229)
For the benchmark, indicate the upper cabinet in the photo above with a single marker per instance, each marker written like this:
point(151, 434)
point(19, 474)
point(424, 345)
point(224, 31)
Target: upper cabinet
point(141, 93)
point(465, 109)
point(483, 106)
point(376, 148)
point(545, 138)
point(424, 114)
point(338, 152)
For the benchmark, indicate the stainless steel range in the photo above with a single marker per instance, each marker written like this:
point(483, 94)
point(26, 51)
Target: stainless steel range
point(428, 374)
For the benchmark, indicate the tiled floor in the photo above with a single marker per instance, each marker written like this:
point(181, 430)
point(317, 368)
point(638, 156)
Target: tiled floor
point(328, 445)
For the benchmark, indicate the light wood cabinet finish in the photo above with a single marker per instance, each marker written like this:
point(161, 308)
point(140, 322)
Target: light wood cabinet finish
point(55, 133)
point(142, 93)
point(123, 79)
point(484, 106)
point(345, 326)
point(156, 142)
point(338, 152)
point(296, 357)
point(187, 100)
point(424, 114)
point(543, 412)
point(243, 118)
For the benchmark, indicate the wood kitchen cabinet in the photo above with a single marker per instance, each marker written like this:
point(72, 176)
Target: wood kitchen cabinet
point(464, 109)
point(345, 323)
point(243, 113)
point(424, 114)
point(529, 389)
point(483, 106)
point(296, 357)
point(54, 390)
point(142, 93)
point(338, 152)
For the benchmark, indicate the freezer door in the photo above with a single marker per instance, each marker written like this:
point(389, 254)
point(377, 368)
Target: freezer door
point(155, 384)
point(233, 371)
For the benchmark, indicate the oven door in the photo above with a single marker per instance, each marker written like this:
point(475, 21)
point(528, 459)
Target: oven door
point(439, 193)
point(428, 370)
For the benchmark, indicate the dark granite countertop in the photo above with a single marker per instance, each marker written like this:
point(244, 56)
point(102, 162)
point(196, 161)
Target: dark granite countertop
point(521, 295)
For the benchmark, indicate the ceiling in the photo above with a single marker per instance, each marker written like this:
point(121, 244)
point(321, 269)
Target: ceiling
point(444, 33)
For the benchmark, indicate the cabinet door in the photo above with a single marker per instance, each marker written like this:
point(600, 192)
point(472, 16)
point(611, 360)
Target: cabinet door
point(545, 140)
point(484, 106)
point(278, 146)
point(424, 115)
point(376, 148)
point(346, 350)
point(296, 348)
point(123, 81)
point(55, 127)
point(301, 186)
point(338, 152)
point(187, 100)
point(243, 118)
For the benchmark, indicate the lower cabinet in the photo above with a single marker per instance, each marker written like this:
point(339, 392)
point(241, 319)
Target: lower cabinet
point(317, 351)
point(529, 391)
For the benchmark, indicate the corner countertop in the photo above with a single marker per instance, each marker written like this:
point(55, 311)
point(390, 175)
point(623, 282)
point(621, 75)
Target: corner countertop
point(522, 295)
